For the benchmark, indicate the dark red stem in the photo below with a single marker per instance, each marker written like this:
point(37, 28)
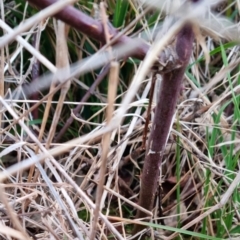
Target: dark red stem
point(164, 111)
point(89, 26)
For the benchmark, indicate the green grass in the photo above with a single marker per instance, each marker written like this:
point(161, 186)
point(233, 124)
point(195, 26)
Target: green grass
point(208, 175)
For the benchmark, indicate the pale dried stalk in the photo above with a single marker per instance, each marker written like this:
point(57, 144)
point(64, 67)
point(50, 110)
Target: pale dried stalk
point(2, 76)
point(46, 111)
point(134, 205)
point(2, 60)
point(1, 84)
point(35, 74)
point(30, 48)
point(62, 62)
point(112, 89)
point(52, 87)
point(11, 232)
point(95, 61)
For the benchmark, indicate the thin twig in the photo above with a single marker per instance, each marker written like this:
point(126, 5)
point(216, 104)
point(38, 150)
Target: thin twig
point(78, 108)
point(112, 89)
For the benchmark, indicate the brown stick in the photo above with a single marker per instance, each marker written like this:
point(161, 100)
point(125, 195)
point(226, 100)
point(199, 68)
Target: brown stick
point(89, 26)
point(164, 111)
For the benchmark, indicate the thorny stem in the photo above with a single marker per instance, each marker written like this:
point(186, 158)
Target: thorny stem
point(164, 111)
point(89, 26)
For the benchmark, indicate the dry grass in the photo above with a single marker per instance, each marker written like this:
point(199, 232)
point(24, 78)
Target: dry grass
point(48, 188)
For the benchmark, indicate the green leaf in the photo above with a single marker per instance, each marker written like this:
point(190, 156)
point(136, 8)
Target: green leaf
point(120, 13)
point(193, 234)
point(235, 230)
point(37, 121)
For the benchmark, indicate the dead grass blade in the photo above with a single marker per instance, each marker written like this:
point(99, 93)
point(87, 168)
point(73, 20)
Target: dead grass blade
point(51, 10)
point(62, 62)
point(106, 140)
point(47, 154)
point(30, 48)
